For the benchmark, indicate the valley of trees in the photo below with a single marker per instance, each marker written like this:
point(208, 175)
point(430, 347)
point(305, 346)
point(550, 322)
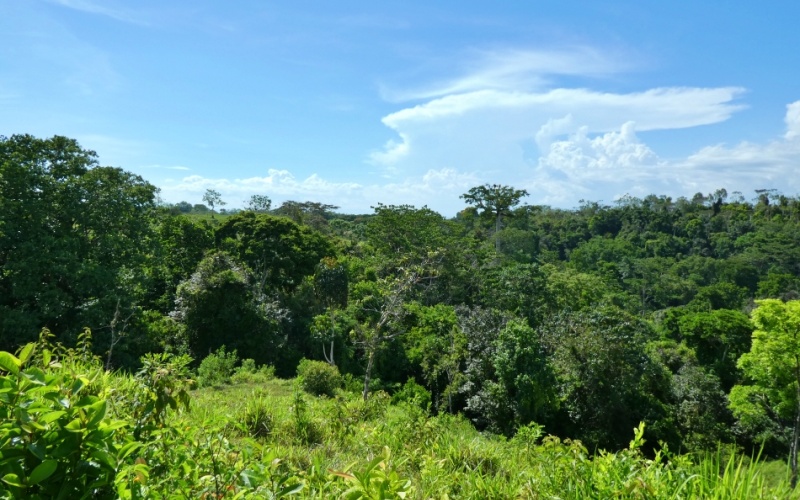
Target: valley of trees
point(679, 313)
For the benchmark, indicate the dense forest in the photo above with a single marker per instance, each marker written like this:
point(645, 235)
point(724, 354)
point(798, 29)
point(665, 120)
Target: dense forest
point(677, 313)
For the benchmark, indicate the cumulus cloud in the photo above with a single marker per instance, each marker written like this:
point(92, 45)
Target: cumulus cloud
point(582, 157)
point(617, 163)
point(793, 120)
point(499, 136)
point(499, 122)
point(580, 164)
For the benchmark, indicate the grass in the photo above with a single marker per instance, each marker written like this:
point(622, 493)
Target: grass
point(272, 440)
point(387, 451)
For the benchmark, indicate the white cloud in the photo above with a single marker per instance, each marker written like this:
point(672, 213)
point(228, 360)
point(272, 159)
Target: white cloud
point(498, 136)
point(793, 120)
point(661, 108)
point(435, 188)
point(609, 165)
point(393, 152)
point(575, 163)
point(167, 167)
point(604, 156)
point(514, 69)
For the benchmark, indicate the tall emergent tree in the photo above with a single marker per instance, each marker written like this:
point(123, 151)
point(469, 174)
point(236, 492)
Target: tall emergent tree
point(495, 200)
point(213, 198)
point(773, 366)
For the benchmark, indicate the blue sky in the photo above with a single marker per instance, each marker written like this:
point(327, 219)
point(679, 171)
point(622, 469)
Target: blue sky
point(355, 103)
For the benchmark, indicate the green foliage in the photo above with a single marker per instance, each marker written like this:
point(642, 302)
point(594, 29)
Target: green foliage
point(73, 239)
point(56, 437)
point(278, 252)
point(213, 198)
point(163, 383)
point(259, 203)
point(217, 368)
point(249, 373)
point(406, 231)
point(319, 378)
point(718, 337)
point(606, 380)
point(773, 366)
point(305, 429)
point(219, 305)
point(257, 418)
point(413, 393)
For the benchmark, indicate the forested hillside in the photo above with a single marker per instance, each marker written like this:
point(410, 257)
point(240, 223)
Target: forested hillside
point(585, 322)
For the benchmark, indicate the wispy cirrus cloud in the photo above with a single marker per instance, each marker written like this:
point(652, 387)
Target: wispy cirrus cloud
point(166, 167)
point(512, 69)
point(110, 9)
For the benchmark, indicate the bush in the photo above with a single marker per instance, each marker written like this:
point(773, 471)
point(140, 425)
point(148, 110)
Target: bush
point(247, 373)
point(318, 377)
point(217, 368)
point(57, 438)
point(413, 393)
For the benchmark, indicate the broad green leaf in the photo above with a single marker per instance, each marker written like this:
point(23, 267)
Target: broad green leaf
point(105, 458)
point(35, 375)
point(74, 426)
point(86, 401)
point(78, 384)
point(13, 480)
point(42, 472)
point(128, 449)
point(291, 490)
point(96, 413)
point(52, 416)
point(37, 450)
point(9, 362)
point(26, 352)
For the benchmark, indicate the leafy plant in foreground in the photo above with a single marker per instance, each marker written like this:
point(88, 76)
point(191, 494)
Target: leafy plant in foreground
point(56, 439)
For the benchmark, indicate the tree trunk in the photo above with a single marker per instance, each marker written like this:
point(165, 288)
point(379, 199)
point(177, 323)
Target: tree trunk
point(368, 373)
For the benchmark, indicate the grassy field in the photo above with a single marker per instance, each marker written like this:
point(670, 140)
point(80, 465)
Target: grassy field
point(69, 429)
point(343, 446)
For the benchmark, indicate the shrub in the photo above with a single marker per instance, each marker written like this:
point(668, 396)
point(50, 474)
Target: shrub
point(247, 373)
point(56, 437)
point(217, 368)
point(320, 378)
point(413, 393)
